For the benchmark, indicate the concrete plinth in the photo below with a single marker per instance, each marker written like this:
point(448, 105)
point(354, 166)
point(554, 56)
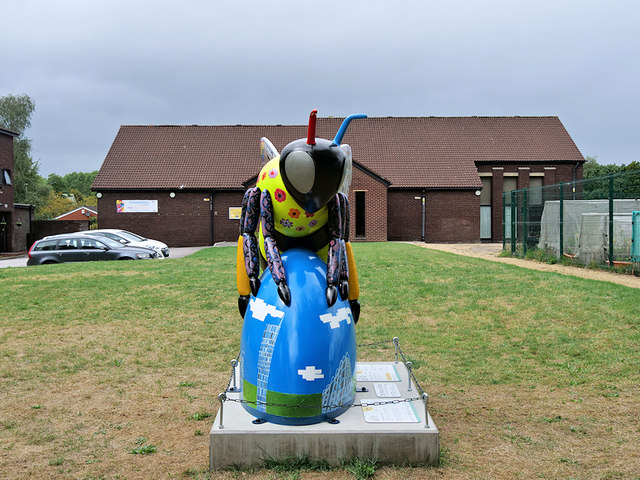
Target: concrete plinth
point(243, 444)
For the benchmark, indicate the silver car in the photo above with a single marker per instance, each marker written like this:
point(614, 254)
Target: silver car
point(83, 248)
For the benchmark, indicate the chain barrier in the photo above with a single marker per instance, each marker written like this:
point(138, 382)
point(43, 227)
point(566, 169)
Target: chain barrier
point(361, 404)
point(224, 398)
point(415, 380)
point(375, 344)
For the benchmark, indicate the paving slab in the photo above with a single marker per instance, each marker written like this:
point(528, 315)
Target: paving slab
point(393, 433)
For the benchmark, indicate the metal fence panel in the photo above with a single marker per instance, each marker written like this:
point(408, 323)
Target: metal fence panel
point(589, 220)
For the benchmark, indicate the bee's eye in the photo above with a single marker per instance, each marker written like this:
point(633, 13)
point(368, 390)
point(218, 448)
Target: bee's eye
point(300, 170)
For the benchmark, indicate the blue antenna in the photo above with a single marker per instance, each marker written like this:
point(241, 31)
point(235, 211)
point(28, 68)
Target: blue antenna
point(343, 127)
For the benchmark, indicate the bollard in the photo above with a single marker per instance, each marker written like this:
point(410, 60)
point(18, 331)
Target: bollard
point(425, 397)
point(234, 364)
point(409, 367)
point(221, 398)
point(395, 342)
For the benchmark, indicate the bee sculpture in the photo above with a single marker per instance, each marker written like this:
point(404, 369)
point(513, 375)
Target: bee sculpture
point(300, 200)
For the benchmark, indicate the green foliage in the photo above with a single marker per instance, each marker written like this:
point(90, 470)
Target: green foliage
point(56, 461)
point(15, 112)
point(58, 203)
point(73, 182)
point(200, 416)
point(596, 185)
point(143, 449)
point(361, 469)
point(15, 115)
point(295, 464)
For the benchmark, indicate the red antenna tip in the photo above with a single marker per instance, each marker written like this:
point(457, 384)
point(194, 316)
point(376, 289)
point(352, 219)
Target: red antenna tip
point(311, 133)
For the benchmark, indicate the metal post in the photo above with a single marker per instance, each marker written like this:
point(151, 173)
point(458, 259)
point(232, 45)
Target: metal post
point(561, 220)
point(425, 399)
point(409, 367)
point(234, 364)
point(610, 221)
point(221, 398)
point(504, 224)
point(395, 342)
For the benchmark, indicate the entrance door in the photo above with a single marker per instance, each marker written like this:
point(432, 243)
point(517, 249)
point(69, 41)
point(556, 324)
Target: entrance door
point(4, 232)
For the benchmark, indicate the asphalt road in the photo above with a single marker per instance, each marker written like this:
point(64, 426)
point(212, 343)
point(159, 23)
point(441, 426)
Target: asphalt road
point(175, 252)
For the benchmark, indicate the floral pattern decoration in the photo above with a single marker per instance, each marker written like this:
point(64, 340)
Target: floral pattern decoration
point(280, 195)
point(294, 213)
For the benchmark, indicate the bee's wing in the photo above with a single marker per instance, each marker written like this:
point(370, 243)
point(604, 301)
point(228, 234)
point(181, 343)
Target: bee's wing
point(346, 176)
point(267, 150)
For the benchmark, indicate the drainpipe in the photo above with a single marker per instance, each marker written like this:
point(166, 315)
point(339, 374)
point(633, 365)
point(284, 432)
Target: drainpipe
point(211, 218)
point(573, 178)
point(424, 220)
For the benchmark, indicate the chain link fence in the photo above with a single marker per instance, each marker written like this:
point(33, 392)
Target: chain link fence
point(593, 222)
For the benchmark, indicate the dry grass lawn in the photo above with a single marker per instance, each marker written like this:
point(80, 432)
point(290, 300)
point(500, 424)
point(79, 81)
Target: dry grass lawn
point(113, 371)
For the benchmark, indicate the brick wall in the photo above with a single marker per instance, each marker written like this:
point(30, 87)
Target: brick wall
point(22, 238)
point(225, 229)
point(43, 228)
point(375, 207)
point(404, 220)
point(553, 174)
point(452, 216)
point(184, 220)
point(6, 193)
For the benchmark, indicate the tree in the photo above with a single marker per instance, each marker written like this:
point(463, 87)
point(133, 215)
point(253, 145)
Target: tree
point(592, 168)
point(29, 186)
point(58, 203)
point(79, 181)
point(626, 180)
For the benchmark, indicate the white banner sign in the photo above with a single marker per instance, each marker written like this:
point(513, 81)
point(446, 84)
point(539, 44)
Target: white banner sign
point(136, 206)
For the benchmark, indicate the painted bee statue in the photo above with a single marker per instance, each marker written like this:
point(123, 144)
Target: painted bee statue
point(300, 200)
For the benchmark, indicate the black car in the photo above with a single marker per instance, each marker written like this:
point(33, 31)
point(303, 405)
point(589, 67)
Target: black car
point(83, 248)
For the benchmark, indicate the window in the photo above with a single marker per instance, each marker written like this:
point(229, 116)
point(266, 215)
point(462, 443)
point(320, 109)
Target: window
point(485, 193)
point(45, 245)
point(360, 213)
point(68, 244)
point(535, 192)
point(508, 184)
point(88, 244)
point(6, 176)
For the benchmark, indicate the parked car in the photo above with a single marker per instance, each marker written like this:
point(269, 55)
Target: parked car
point(82, 248)
point(132, 239)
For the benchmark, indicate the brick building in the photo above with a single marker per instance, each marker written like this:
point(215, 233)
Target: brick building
point(436, 179)
point(7, 215)
point(80, 213)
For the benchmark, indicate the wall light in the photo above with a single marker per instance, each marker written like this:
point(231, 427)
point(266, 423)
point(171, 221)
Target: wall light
point(172, 195)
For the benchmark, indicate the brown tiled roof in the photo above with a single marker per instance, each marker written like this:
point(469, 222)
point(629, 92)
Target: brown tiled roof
point(409, 152)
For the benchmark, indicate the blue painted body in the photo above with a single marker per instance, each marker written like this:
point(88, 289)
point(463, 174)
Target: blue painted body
point(303, 354)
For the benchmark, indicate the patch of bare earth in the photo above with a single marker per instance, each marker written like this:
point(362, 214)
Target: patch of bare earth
point(491, 251)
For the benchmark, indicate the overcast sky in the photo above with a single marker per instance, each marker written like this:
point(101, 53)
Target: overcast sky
point(91, 66)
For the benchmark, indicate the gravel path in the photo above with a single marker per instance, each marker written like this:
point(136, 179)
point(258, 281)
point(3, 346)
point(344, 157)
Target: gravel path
point(491, 251)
